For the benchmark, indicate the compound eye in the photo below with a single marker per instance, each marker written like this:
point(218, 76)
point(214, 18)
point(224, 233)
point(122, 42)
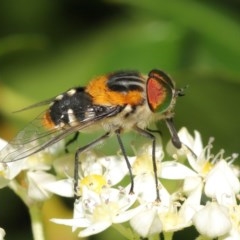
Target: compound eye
point(160, 91)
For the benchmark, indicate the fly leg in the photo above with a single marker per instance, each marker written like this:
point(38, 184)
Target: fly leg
point(175, 138)
point(126, 159)
point(70, 141)
point(173, 132)
point(153, 139)
point(76, 163)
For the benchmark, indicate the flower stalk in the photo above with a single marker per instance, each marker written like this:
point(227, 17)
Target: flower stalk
point(36, 217)
point(35, 210)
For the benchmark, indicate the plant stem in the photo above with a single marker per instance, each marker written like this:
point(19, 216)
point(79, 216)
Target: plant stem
point(168, 235)
point(154, 237)
point(34, 210)
point(124, 231)
point(36, 221)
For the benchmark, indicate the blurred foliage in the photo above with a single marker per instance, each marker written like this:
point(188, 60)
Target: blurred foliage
point(47, 47)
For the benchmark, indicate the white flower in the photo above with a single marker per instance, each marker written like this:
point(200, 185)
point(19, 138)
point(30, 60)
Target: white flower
point(147, 222)
point(144, 180)
point(95, 211)
point(234, 216)
point(213, 174)
point(94, 172)
point(192, 204)
point(212, 220)
point(165, 201)
point(155, 216)
point(63, 187)
point(162, 216)
point(38, 161)
point(199, 158)
point(222, 184)
point(99, 204)
point(28, 176)
point(38, 182)
point(115, 168)
point(215, 171)
point(178, 171)
point(2, 234)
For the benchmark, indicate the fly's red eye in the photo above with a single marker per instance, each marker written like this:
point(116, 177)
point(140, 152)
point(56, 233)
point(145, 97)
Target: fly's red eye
point(159, 91)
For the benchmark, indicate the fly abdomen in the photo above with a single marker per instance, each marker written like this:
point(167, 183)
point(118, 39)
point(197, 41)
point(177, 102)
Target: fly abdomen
point(68, 108)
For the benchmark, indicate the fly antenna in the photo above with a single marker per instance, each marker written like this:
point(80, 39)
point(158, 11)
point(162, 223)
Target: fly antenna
point(181, 91)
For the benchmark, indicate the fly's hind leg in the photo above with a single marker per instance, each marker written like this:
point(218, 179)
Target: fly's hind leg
point(149, 135)
point(70, 141)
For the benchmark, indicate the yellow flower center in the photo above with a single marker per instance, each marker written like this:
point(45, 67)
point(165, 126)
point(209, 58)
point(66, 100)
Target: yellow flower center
point(207, 166)
point(93, 182)
point(235, 216)
point(105, 211)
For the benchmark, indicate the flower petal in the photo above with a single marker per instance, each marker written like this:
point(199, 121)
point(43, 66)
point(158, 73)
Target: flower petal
point(94, 229)
point(74, 222)
point(212, 220)
point(221, 182)
point(146, 223)
point(37, 181)
point(2, 234)
point(116, 168)
point(175, 170)
point(62, 187)
point(125, 216)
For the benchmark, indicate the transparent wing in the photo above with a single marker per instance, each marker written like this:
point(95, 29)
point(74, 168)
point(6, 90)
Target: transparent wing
point(35, 137)
point(39, 104)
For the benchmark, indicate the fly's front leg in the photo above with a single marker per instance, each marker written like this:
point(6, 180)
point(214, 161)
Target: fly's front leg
point(173, 132)
point(175, 138)
point(76, 163)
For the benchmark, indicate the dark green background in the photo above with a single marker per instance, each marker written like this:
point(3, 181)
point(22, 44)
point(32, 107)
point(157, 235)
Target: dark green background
point(47, 47)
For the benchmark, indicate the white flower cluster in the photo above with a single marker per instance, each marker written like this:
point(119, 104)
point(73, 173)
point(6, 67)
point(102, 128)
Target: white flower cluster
point(195, 191)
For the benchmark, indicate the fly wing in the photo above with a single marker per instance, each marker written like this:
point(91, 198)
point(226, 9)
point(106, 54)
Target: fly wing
point(39, 104)
point(35, 137)
point(28, 141)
